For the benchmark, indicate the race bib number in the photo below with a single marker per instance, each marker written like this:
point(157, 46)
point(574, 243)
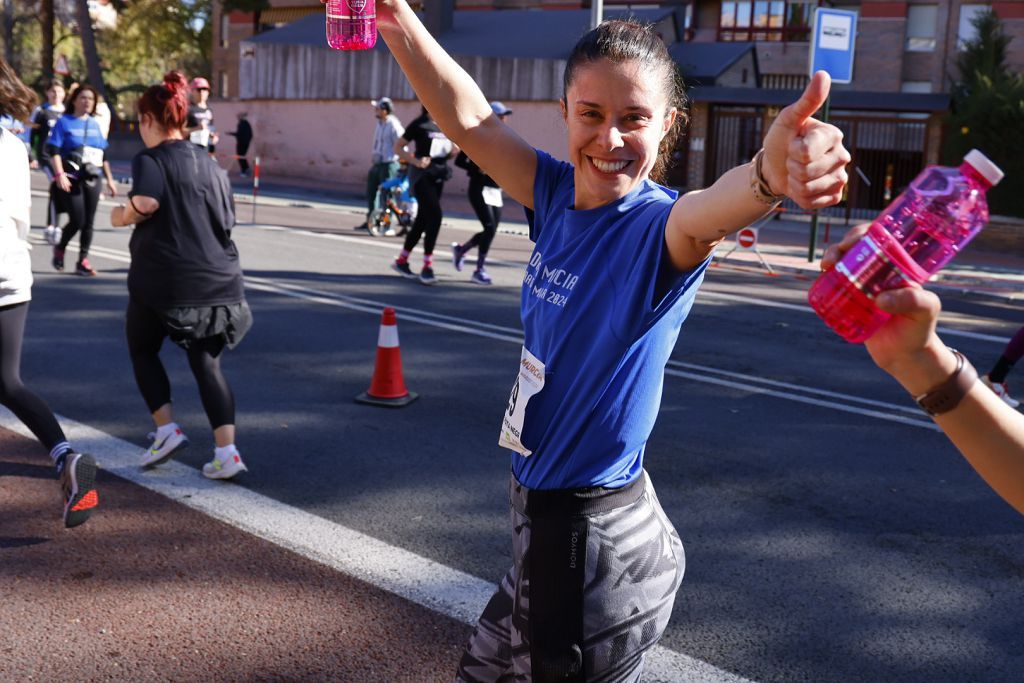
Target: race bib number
point(200, 137)
point(529, 382)
point(492, 196)
point(92, 155)
point(440, 147)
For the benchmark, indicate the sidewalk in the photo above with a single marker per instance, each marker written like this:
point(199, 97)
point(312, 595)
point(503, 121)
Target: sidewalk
point(783, 242)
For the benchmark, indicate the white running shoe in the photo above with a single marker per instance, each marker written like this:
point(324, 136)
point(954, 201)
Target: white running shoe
point(161, 450)
point(224, 469)
point(53, 235)
point(1001, 390)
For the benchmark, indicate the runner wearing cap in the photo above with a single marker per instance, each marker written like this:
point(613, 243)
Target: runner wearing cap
point(485, 197)
point(383, 159)
point(199, 124)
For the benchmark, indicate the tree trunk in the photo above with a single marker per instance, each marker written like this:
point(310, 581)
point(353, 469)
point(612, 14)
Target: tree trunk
point(9, 33)
point(92, 56)
point(46, 52)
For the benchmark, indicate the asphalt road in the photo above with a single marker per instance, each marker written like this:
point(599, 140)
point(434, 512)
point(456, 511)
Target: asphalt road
point(831, 533)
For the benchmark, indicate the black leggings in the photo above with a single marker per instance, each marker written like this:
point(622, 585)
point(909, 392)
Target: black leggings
point(145, 331)
point(52, 207)
point(28, 407)
point(489, 217)
point(428, 220)
point(80, 205)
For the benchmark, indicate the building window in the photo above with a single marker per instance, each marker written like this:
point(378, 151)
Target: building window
point(966, 31)
point(921, 21)
point(225, 30)
point(778, 20)
point(223, 78)
point(916, 86)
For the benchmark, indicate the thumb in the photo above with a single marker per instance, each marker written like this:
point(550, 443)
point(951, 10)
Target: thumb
point(912, 302)
point(810, 101)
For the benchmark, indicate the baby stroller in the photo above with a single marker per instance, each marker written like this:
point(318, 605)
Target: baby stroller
point(395, 207)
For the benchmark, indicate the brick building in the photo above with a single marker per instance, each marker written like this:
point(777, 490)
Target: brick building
point(742, 60)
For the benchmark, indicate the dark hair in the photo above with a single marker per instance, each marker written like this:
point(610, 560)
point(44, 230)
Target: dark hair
point(623, 41)
point(54, 84)
point(16, 99)
point(167, 102)
point(78, 91)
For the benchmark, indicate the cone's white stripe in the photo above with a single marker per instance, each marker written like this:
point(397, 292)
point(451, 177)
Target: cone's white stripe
point(388, 337)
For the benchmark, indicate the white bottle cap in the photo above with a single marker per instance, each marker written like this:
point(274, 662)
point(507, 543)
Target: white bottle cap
point(982, 165)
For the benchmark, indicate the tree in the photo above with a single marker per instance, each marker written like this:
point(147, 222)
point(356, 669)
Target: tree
point(988, 107)
point(46, 24)
point(92, 56)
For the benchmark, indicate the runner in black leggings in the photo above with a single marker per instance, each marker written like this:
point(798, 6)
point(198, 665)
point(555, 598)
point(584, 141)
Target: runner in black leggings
point(76, 149)
point(77, 471)
point(185, 280)
point(428, 171)
point(485, 198)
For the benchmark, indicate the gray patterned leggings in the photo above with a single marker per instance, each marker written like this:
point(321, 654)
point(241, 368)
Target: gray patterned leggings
point(594, 578)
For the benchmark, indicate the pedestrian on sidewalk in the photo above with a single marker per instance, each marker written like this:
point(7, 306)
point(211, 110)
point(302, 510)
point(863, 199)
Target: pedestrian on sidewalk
point(428, 172)
point(383, 158)
point(995, 379)
point(243, 138)
point(77, 152)
point(43, 119)
point(76, 471)
point(616, 264)
point(185, 280)
point(485, 198)
point(988, 433)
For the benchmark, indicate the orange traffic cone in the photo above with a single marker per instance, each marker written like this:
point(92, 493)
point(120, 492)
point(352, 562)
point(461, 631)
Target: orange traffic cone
point(387, 388)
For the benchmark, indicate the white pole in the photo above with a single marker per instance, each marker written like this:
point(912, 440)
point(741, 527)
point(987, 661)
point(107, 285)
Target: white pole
point(596, 12)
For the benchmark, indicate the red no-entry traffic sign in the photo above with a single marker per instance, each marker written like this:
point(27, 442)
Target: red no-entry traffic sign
point(747, 238)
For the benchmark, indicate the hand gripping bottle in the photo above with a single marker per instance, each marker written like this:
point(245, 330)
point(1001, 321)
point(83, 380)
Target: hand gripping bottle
point(911, 240)
point(351, 24)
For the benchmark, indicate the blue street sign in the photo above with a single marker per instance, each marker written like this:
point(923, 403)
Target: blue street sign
point(832, 43)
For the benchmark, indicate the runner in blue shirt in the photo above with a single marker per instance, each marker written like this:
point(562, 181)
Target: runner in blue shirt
point(76, 147)
point(616, 264)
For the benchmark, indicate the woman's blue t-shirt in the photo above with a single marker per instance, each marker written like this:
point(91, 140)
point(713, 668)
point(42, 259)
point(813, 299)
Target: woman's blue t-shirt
point(602, 318)
point(71, 133)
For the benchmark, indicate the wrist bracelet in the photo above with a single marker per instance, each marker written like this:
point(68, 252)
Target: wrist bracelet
point(758, 185)
point(948, 395)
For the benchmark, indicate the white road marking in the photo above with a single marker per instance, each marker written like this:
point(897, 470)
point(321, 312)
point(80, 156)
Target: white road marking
point(445, 590)
point(890, 412)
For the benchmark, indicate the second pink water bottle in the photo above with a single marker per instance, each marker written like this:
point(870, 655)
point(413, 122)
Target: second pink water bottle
point(911, 240)
point(351, 24)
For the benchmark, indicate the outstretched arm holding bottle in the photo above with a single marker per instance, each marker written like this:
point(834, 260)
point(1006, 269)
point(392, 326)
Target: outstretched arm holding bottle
point(986, 431)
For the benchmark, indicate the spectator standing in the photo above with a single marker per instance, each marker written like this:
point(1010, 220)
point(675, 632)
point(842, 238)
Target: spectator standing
point(383, 159)
point(243, 138)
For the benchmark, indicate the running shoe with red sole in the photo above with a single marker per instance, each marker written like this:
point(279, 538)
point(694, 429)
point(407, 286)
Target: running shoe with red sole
point(78, 479)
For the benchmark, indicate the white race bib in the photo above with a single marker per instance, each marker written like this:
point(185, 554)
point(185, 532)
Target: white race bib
point(92, 155)
point(440, 147)
point(529, 382)
point(200, 137)
point(492, 196)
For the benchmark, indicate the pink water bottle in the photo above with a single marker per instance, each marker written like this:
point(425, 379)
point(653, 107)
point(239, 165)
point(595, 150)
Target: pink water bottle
point(351, 24)
point(911, 240)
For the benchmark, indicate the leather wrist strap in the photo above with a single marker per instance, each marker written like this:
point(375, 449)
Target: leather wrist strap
point(947, 395)
point(758, 185)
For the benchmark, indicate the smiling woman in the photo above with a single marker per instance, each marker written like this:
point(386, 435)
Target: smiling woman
point(615, 268)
